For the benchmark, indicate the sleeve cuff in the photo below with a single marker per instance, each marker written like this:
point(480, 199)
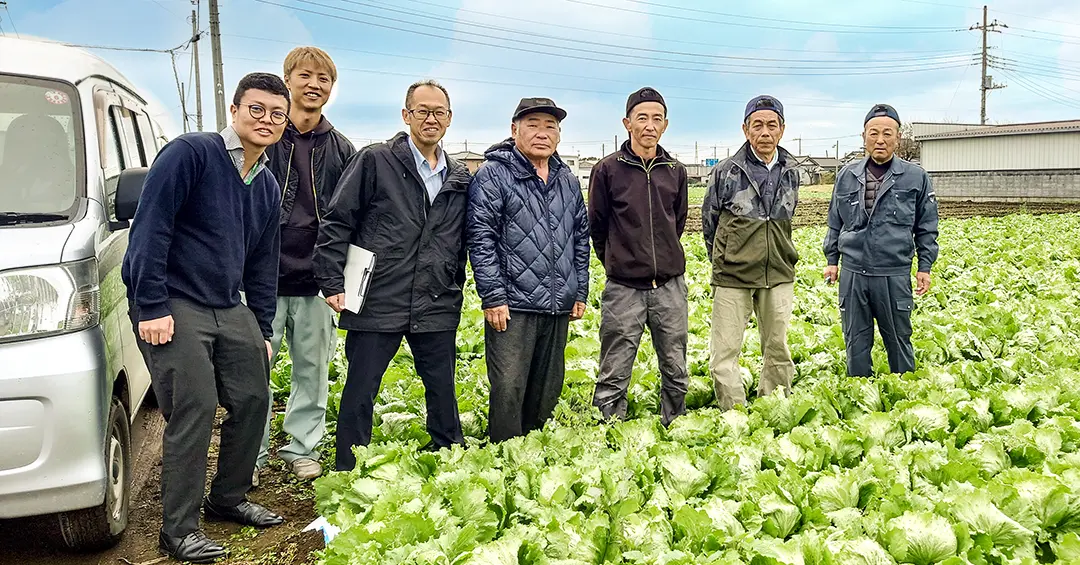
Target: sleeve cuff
point(153, 311)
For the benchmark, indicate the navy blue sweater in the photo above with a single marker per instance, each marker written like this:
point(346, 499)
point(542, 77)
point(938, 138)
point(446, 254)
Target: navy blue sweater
point(200, 233)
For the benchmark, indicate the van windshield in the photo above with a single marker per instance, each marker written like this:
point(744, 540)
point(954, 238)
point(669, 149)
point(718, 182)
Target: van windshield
point(40, 150)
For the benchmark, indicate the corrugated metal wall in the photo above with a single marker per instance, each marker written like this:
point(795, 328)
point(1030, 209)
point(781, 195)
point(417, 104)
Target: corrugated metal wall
point(1003, 153)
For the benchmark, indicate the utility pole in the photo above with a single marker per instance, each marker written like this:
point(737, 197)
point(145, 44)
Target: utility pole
point(799, 139)
point(616, 146)
point(696, 161)
point(713, 151)
point(836, 169)
point(987, 82)
point(219, 79)
point(195, 53)
point(603, 150)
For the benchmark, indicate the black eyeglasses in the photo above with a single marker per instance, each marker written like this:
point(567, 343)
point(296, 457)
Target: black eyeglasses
point(277, 117)
point(424, 113)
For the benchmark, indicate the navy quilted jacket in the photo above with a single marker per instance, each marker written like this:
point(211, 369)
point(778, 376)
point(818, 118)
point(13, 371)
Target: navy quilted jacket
point(528, 241)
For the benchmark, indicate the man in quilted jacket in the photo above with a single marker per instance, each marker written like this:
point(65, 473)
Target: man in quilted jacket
point(528, 238)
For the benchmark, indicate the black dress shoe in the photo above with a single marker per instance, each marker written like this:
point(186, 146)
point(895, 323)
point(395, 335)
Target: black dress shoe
point(194, 547)
point(246, 514)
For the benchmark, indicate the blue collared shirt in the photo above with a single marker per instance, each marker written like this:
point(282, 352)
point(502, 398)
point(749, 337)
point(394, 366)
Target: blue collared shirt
point(433, 179)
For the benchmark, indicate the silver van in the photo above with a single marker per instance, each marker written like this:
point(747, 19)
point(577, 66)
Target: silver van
point(76, 139)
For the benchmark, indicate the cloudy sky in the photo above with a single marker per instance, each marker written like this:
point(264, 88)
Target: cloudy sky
point(828, 61)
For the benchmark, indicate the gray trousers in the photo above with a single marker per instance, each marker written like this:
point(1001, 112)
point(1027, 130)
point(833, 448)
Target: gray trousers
point(215, 356)
point(625, 312)
point(526, 367)
point(309, 324)
point(889, 301)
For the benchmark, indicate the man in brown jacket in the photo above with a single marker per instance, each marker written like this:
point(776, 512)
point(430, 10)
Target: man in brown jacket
point(637, 212)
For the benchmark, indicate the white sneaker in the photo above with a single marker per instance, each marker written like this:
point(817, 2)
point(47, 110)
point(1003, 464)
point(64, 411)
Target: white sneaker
point(255, 478)
point(306, 469)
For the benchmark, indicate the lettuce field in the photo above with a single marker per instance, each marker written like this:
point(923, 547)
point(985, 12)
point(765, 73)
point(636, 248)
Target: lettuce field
point(973, 459)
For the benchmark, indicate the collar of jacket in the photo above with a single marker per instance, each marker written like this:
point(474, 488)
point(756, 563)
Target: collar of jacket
point(507, 153)
point(457, 175)
point(896, 168)
point(742, 158)
point(626, 152)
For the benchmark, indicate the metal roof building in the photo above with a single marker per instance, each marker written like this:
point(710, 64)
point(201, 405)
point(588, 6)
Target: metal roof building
point(1034, 161)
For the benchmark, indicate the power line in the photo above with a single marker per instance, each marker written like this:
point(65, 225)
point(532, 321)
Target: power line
point(1063, 72)
point(760, 26)
point(164, 7)
point(632, 63)
point(896, 29)
point(1042, 92)
point(180, 47)
point(635, 53)
point(963, 7)
point(811, 101)
point(592, 31)
point(10, 20)
point(510, 84)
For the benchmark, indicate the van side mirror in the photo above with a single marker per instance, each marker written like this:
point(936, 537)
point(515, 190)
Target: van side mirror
point(128, 190)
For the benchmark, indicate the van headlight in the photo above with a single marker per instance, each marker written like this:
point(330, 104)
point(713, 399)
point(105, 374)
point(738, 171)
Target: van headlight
point(50, 300)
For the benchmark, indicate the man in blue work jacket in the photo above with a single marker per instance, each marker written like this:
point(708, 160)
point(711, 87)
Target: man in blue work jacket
point(883, 213)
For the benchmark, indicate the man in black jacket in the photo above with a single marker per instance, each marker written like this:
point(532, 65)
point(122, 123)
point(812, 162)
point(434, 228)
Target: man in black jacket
point(307, 163)
point(405, 201)
point(637, 212)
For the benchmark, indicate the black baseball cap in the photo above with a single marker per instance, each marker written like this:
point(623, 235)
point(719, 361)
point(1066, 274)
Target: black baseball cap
point(646, 94)
point(534, 105)
point(882, 110)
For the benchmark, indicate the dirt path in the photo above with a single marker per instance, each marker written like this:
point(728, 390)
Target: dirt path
point(25, 542)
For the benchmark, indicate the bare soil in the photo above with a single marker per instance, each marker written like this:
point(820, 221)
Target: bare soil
point(26, 542)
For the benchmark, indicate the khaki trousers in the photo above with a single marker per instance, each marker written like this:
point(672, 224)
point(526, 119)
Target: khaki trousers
point(731, 312)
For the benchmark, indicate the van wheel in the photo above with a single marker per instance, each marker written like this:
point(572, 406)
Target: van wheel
point(100, 527)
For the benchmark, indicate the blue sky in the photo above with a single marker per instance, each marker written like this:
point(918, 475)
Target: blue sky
point(827, 61)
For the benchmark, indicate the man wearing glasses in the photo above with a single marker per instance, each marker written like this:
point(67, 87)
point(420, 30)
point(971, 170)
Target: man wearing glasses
point(207, 224)
point(404, 200)
point(307, 162)
point(746, 221)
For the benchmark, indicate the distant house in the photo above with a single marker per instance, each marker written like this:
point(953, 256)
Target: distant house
point(811, 169)
point(472, 160)
point(584, 170)
point(851, 157)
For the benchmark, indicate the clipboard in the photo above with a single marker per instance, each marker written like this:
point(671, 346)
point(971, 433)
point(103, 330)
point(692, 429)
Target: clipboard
point(359, 268)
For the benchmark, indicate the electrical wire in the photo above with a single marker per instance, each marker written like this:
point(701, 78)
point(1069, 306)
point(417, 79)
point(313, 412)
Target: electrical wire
point(1041, 91)
point(11, 20)
point(631, 63)
point(539, 72)
point(524, 85)
point(631, 36)
point(760, 26)
point(759, 18)
point(636, 51)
